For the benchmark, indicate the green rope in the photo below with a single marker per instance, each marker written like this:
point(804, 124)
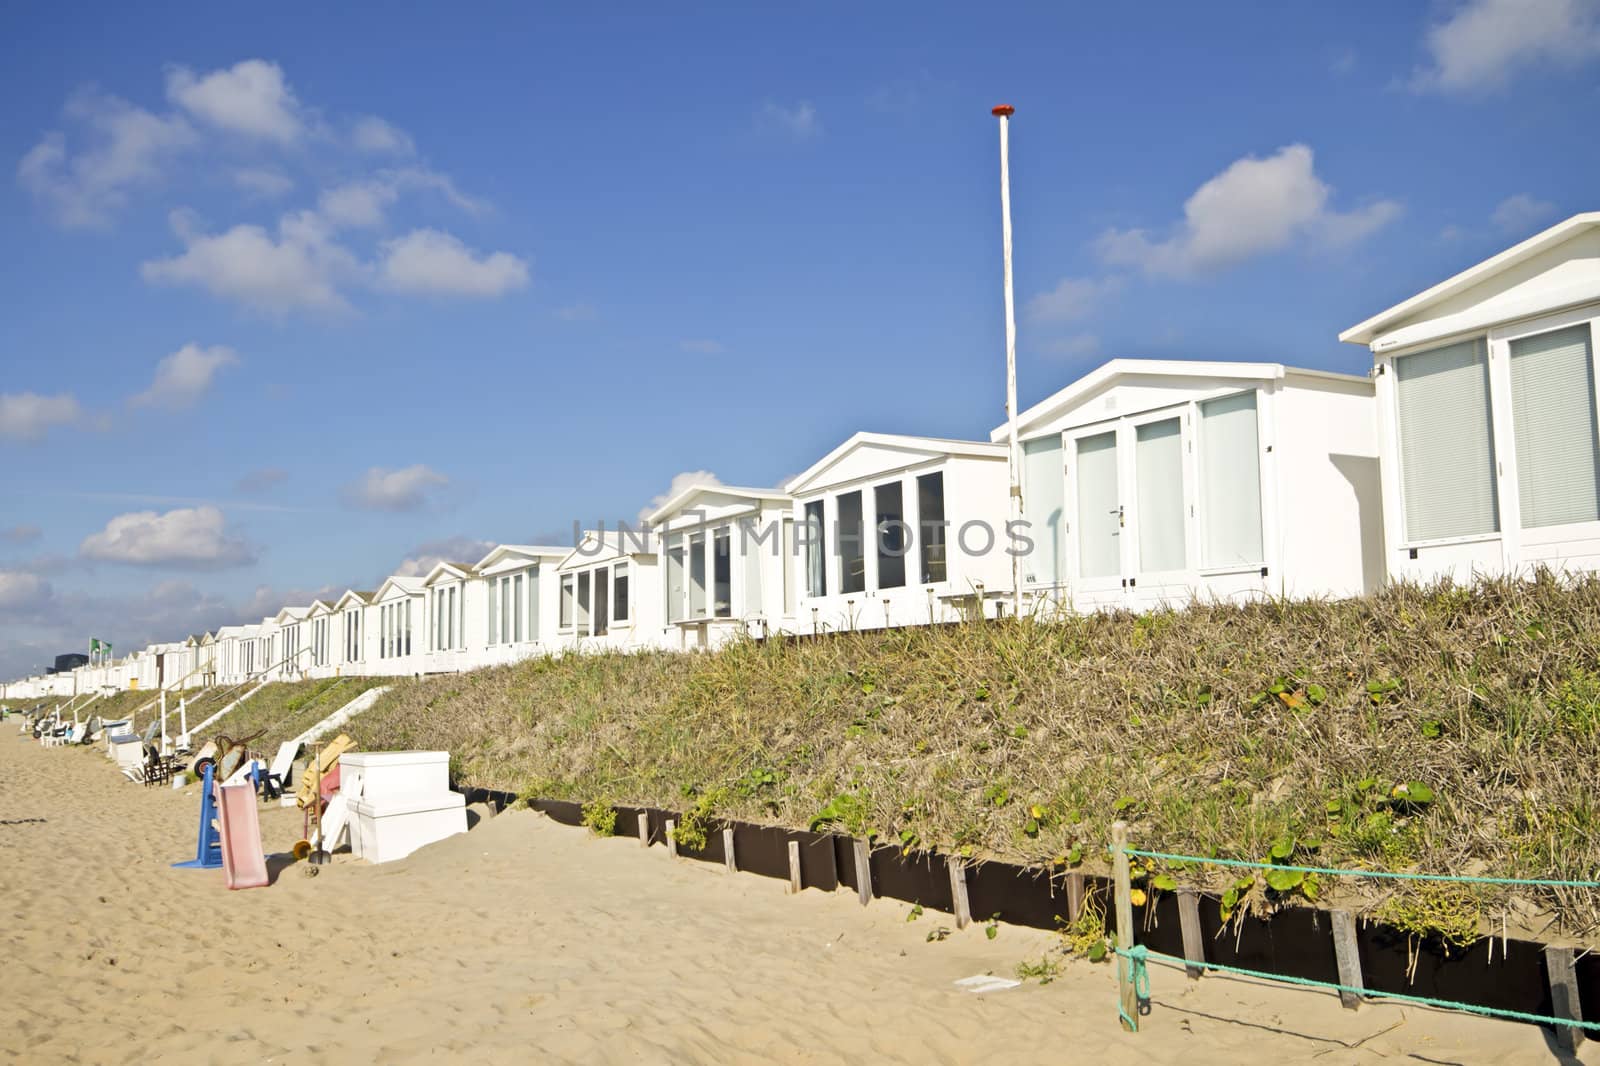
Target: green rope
point(1390, 874)
point(1141, 983)
point(1139, 954)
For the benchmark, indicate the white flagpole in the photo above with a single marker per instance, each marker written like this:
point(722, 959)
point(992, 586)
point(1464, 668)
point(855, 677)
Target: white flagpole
point(1013, 462)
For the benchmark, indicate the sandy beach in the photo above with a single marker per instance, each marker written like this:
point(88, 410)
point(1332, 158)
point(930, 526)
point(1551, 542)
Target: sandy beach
point(527, 941)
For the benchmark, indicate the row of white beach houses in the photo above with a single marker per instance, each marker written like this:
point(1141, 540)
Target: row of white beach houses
point(1471, 447)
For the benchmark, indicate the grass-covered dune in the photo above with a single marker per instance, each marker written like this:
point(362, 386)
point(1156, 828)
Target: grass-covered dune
point(1443, 730)
point(284, 709)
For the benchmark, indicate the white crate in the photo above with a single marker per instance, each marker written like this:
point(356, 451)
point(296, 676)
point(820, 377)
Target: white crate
point(389, 829)
point(382, 775)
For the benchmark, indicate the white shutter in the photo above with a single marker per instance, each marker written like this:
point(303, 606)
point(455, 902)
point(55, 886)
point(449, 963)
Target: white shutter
point(1158, 461)
point(1446, 450)
point(1230, 482)
point(1043, 506)
point(1553, 420)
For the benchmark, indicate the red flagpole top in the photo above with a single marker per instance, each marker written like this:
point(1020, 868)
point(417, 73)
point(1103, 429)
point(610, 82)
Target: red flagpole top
point(1003, 111)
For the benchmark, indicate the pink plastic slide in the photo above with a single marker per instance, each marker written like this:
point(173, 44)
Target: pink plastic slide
point(243, 861)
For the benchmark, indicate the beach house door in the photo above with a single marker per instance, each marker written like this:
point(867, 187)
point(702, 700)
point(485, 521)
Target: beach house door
point(1099, 518)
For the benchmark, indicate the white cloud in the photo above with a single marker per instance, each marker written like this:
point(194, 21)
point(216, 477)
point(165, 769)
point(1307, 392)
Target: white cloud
point(357, 203)
point(1254, 207)
point(124, 146)
point(21, 534)
point(195, 537)
point(298, 269)
point(685, 480)
point(799, 123)
point(1519, 214)
point(29, 416)
point(457, 549)
point(23, 593)
point(702, 346)
point(377, 137)
point(1077, 346)
point(185, 376)
point(406, 489)
point(262, 480)
point(263, 183)
point(430, 261)
point(1483, 43)
point(251, 98)
point(1071, 299)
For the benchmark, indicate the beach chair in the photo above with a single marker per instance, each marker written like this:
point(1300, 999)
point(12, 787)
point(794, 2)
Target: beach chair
point(158, 768)
point(276, 778)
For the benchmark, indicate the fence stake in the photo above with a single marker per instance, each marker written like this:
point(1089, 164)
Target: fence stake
point(794, 866)
point(1564, 996)
point(1119, 869)
point(1348, 956)
point(863, 870)
point(1074, 897)
point(727, 851)
point(644, 830)
point(672, 839)
point(958, 891)
point(1194, 945)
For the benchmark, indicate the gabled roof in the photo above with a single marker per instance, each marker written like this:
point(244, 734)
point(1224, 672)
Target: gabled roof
point(502, 552)
point(450, 571)
point(291, 614)
point(352, 595)
point(1366, 332)
point(693, 492)
point(931, 446)
point(411, 586)
point(595, 546)
point(1110, 373)
point(319, 607)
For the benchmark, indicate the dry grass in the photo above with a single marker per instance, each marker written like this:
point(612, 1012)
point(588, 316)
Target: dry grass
point(1216, 730)
point(285, 709)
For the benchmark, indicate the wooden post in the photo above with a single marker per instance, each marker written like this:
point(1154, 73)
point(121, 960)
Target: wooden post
point(958, 891)
point(863, 854)
point(727, 851)
point(1194, 945)
point(794, 867)
point(1348, 956)
point(1074, 897)
point(1564, 997)
point(1127, 996)
point(672, 839)
point(644, 830)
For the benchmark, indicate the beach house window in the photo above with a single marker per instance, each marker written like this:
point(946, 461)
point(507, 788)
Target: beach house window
point(850, 533)
point(888, 503)
point(788, 561)
point(697, 576)
point(619, 592)
point(1099, 513)
point(1230, 482)
point(583, 600)
point(675, 580)
point(1553, 425)
point(722, 573)
point(1447, 461)
point(533, 603)
point(816, 551)
point(1043, 507)
point(602, 601)
point(407, 644)
point(512, 586)
point(1158, 469)
point(493, 607)
point(568, 584)
point(454, 629)
point(750, 592)
point(930, 517)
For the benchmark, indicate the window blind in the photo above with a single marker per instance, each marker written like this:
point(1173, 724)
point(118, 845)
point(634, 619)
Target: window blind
point(1230, 481)
point(1553, 423)
point(1446, 450)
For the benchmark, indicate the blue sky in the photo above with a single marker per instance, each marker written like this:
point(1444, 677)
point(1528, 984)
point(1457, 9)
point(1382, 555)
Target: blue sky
point(304, 297)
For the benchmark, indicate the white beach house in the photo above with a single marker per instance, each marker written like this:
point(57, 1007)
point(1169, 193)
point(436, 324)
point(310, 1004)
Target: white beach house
point(292, 650)
point(1156, 482)
point(455, 634)
point(896, 530)
point(728, 564)
point(608, 593)
point(398, 616)
point(354, 650)
point(521, 602)
point(319, 657)
point(1486, 411)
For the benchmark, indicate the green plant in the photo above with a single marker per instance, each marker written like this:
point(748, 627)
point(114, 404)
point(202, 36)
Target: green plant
point(991, 928)
point(1044, 971)
point(1086, 935)
point(914, 913)
point(601, 817)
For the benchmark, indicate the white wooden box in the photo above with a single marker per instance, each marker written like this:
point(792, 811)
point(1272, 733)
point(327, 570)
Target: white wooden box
point(383, 775)
point(389, 829)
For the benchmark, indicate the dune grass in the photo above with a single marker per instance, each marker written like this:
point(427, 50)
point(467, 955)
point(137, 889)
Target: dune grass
point(285, 709)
